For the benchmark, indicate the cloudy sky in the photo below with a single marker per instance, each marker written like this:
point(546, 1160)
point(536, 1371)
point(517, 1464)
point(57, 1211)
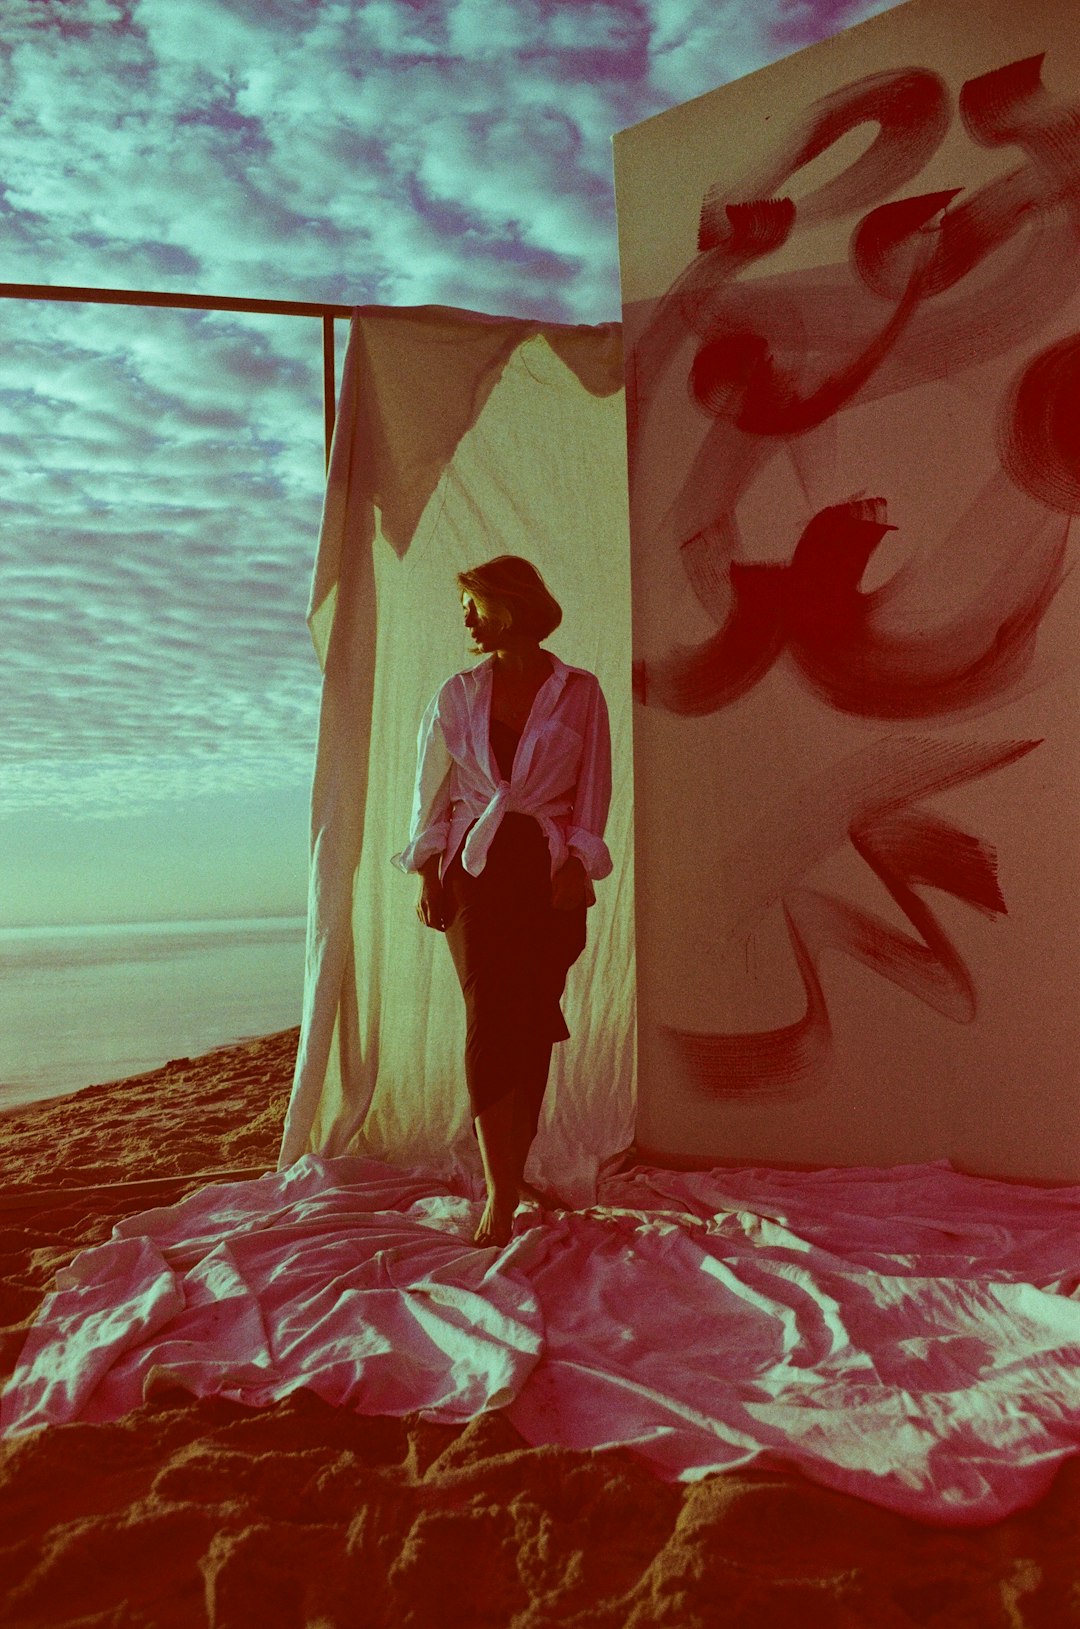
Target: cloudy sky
point(160, 472)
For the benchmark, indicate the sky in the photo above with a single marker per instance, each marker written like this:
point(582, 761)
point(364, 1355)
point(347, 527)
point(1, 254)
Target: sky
point(161, 472)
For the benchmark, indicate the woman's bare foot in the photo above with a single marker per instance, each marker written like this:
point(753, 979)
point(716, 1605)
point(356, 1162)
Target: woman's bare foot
point(496, 1223)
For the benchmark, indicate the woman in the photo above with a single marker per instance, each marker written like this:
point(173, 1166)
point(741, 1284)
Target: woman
point(512, 792)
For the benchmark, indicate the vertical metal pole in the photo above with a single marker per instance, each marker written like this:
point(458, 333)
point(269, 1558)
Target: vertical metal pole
point(329, 390)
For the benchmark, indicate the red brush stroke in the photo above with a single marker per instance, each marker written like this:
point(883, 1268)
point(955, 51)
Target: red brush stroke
point(890, 243)
point(735, 658)
point(1010, 106)
point(835, 637)
point(779, 358)
point(911, 108)
point(767, 1064)
point(963, 278)
point(1007, 107)
point(906, 847)
point(1039, 427)
point(702, 296)
point(814, 607)
point(737, 375)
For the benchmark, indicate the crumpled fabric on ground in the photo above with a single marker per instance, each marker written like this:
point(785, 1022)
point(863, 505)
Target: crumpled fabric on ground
point(908, 1335)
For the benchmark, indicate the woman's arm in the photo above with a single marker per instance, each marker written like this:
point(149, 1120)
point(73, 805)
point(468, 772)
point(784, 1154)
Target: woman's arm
point(592, 797)
point(430, 823)
point(588, 856)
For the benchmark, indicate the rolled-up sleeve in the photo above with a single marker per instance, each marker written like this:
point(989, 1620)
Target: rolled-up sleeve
point(592, 797)
point(430, 824)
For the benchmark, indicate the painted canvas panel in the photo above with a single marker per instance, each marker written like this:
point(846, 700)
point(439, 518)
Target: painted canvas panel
point(851, 300)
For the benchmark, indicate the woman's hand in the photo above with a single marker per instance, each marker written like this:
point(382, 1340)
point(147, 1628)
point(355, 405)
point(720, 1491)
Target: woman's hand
point(430, 907)
point(570, 885)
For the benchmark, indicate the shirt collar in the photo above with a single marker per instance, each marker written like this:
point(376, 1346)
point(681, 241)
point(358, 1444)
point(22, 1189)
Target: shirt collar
point(485, 671)
point(560, 669)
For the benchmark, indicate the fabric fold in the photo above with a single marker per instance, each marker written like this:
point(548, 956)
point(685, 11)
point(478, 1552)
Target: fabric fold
point(458, 437)
point(906, 1335)
point(432, 840)
point(591, 850)
point(480, 835)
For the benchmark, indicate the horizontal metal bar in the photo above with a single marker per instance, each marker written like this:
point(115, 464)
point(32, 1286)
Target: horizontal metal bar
point(181, 302)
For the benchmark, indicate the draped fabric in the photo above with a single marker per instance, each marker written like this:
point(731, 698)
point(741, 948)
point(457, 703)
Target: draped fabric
point(458, 437)
point(905, 1335)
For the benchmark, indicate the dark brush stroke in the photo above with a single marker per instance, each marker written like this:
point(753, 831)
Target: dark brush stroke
point(732, 661)
point(835, 629)
point(894, 252)
point(888, 239)
point(909, 847)
point(738, 375)
point(1010, 106)
point(906, 847)
point(1007, 107)
point(811, 317)
point(765, 1064)
point(1039, 427)
point(785, 838)
point(998, 264)
point(699, 296)
point(838, 635)
point(911, 106)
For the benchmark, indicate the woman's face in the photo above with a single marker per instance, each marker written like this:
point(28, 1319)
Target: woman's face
point(476, 623)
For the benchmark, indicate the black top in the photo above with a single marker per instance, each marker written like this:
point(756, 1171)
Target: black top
point(504, 745)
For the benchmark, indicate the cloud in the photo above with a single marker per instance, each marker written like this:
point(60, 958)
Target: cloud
point(387, 151)
point(161, 481)
point(161, 472)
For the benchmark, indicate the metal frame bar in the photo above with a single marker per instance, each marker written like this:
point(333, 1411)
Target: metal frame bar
point(203, 302)
point(328, 393)
point(29, 1198)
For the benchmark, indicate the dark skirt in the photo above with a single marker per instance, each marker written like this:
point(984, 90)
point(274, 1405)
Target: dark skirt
point(512, 950)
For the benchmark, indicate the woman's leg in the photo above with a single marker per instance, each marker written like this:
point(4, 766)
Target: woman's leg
point(504, 1147)
point(525, 1116)
point(511, 952)
point(505, 1138)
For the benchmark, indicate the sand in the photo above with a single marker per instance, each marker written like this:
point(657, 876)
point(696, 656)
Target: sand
point(200, 1512)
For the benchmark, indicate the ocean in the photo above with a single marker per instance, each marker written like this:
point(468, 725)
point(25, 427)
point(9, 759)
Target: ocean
point(81, 1005)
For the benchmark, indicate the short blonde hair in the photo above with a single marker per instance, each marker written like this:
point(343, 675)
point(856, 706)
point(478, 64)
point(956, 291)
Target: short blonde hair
point(513, 595)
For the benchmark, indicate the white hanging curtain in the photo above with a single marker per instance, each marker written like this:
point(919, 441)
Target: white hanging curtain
point(459, 437)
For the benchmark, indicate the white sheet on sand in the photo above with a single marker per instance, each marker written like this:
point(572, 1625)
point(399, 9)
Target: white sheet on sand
point(909, 1335)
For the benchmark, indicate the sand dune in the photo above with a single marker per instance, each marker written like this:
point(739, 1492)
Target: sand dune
point(192, 1512)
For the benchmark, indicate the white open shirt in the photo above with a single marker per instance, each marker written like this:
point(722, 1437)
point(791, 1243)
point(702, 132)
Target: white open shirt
point(561, 774)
